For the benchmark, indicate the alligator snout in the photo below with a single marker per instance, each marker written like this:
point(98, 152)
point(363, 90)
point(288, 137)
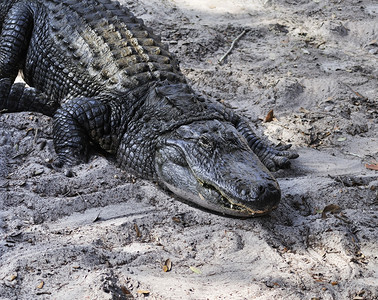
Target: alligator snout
point(254, 197)
point(264, 191)
point(269, 197)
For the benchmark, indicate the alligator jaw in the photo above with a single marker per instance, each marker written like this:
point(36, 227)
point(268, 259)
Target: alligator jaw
point(232, 206)
point(239, 209)
point(209, 197)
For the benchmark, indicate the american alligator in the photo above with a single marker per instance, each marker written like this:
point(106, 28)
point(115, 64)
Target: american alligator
point(108, 81)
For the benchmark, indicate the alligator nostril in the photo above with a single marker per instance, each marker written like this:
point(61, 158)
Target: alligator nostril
point(261, 191)
point(268, 192)
point(244, 191)
point(271, 194)
point(271, 187)
point(267, 189)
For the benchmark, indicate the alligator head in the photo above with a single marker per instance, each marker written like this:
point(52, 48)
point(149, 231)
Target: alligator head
point(210, 164)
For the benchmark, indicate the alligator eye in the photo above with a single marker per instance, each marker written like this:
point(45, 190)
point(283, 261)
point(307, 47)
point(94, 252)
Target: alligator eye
point(205, 142)
point(234, 140)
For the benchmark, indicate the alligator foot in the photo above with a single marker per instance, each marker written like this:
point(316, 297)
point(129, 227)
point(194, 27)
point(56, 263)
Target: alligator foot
point(273, 157)
point(70, 139)
point(68, 159)
point(59, 167)
point(77, 124)
point(277, 157)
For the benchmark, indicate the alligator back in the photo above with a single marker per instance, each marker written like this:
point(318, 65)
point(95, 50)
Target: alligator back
point(81, 48)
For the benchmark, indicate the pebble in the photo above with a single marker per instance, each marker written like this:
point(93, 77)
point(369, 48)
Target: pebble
point(68, 173)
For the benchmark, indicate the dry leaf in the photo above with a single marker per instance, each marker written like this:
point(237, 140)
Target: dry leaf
point(40, 285)
point(372, 166)
point(175, 219)
point(269, 117)
point(138, 233)
point(13, 276)
point(144, 292)
point(38, 172)
point(125, 290)
point(334, 283)
point(97, 217)
point(332, 208)
point(195, 270)
point(167, 265)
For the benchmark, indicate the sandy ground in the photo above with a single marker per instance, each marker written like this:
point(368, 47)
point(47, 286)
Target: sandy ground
point(106, 235)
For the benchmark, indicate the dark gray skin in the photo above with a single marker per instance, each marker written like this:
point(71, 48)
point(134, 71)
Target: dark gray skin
point(108, 81)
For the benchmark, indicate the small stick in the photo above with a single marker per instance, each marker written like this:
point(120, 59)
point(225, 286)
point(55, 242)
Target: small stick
point(35, 136)
point(232, 46)
point(356, 93)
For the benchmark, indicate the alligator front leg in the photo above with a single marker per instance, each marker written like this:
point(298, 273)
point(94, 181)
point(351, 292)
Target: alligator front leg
point(14, 40)
point(78, 123)
point(273, 158)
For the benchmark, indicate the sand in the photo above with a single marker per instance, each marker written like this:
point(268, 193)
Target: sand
point(104, 234)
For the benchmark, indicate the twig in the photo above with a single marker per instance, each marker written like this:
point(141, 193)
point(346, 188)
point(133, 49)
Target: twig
point(43, 293)
point(35, 136)
point(81, 197)
point(232, 46)
point(321, 43)
point(343, 219)
point(62, 285)
point(356, 93)
point(23, 154)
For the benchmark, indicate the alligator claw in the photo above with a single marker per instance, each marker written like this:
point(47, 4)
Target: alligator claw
point(65, 160)
point(282, 151)
point(58, 166)
point(281, 147)
point(274, 163)
point(278, 157)
point(281, 162)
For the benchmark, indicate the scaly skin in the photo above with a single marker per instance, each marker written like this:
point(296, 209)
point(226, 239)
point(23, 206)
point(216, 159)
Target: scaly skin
point(107, 80)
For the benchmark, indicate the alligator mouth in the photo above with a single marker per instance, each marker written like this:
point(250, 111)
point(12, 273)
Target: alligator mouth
point(232, 205)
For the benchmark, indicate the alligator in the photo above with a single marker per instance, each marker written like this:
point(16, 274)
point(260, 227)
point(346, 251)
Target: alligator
point(108, 82)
